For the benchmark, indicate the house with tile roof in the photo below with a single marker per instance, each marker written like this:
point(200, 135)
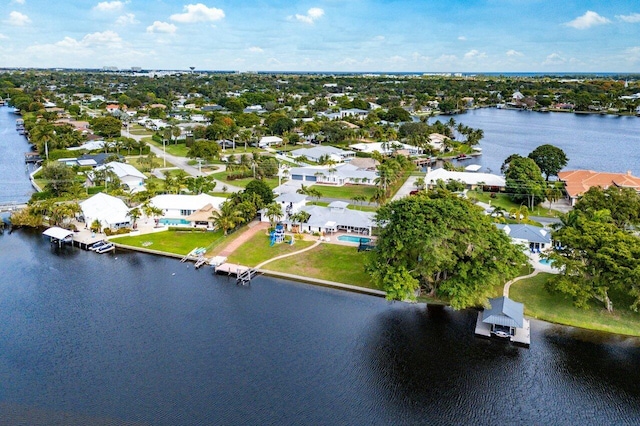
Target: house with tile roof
point(577, 182)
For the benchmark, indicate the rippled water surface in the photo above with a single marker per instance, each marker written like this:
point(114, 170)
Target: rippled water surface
point(594, 142)
point(128, 338)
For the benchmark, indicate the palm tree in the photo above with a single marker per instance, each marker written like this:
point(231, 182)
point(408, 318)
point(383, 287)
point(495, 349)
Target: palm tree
point(273, 212)
point(300, 218)
point(228, 217)
point(519, 213)
point(553, 194)
point(134, 214)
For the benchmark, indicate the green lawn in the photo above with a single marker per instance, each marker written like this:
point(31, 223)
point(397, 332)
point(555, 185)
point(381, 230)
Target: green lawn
point(174, 241)
point(559, 309)
point(346, 192)
point(242, 183)
point(258, 249)
point(504, 201)
point(157, 162)
point(328, 262)
point(179, 150)
point(356, 206)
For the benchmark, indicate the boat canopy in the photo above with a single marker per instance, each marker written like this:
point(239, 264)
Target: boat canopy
point(58, 233)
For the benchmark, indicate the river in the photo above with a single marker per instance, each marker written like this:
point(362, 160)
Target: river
point(129, 338)
point(14, 175)
point(596, 142)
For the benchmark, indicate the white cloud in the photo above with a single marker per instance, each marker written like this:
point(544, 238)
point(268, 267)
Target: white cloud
point(634, 18)
point(347, 61)
point(312, 15)
point(588, 20)
point(18, 19)
point(101, 38)
point(379, 38)
point(3, 37)
point(633, 54)
point(396, 60)
point(162, 27)
point(417, 57)
point(474, 54)
point(514, 53)
point(554, 59)
point(273, 61)
point(255, 49)
point(198, 13)
point(127, 19)
point(462, 38)
point(17, 1)
point(446, 59)
point(109, 6)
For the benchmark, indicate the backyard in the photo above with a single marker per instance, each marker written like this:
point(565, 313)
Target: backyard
point(258, 249)
point(557, 308)
point(174, 241)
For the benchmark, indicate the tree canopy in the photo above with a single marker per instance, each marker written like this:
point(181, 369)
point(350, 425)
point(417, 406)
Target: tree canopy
point(443, 244)
point(595, 258)
point(524, 181)
point(259, 187)
point(550, 159)
point(108, 127)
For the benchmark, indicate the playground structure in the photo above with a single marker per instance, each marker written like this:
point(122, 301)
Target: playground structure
point(278, 236)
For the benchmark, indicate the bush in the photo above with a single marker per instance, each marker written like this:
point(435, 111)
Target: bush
point(119, 231)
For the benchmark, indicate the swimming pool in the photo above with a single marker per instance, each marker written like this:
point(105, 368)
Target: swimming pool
point(174, 222)
point(546, 262)
point(353, 239)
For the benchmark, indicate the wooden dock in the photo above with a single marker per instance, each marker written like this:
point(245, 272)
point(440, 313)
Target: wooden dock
point(243, 274)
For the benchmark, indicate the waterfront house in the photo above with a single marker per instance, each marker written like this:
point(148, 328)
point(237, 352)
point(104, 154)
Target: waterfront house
point(471, 180)
point(290, 203)
point(534, 237)
point(185, 210)
point(385, 148)
point(577, 182)
point(335, 217)
point(110, 211)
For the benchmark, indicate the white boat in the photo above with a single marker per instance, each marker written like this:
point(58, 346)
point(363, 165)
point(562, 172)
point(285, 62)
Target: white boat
point(106, 248)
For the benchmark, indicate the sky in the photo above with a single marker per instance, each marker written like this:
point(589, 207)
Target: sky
point(324, 35)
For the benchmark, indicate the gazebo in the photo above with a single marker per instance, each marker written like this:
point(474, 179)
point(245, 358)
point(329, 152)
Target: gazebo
point(504, 317)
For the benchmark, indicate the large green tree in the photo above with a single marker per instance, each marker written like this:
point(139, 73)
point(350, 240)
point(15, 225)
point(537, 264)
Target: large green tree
point(595, 257)
point(623, 204)
point(550, 159)
point(524, 181)
point(444, 245)
point(259, 187)
point(109, 126)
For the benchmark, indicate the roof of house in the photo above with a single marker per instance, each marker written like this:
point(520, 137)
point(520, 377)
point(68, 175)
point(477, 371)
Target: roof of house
point(319, 151)
point(186, 202)
point(105, 208)
point(364, 163)
point(290, 198)
point(320, 216)
point(504, 311)
point(123, 170)
point(467, 177)
point(270, 139)
point(578, 182)
point(203, 214)
point(533, 234)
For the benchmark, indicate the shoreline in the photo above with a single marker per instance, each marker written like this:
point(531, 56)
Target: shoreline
point(267, 272)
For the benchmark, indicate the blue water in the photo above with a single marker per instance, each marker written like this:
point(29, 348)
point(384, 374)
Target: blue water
point(546, 261)
point(14, 174)
point(175, 222)
point(128, 337)
point(353, 239)
point(594, 142)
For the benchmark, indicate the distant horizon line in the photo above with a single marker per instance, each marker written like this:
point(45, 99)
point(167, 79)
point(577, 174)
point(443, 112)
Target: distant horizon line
point(325, 72)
